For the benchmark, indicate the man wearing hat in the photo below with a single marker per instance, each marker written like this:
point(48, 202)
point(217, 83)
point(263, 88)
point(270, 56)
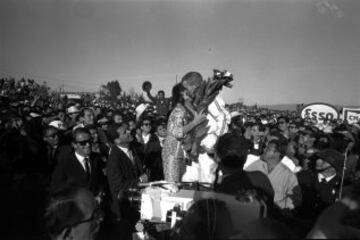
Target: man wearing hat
point(320, 187)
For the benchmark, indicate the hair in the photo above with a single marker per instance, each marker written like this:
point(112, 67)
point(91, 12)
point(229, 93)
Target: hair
point(192, 78)
point(46, 129)
point(62, 210)
point(161, 91)
point(112, 133)
point(283, 117)
point(232, 149)
point(177, 94)
point(339, 142)
point(145, 118)
point(79, 131)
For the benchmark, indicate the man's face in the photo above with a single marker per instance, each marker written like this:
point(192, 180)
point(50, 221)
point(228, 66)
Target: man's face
point(88, 117)
point(104, 127)
point(161, 95)
point(94, 135)
point(282, 125)
point(269, 152)
point(51, 137)
point(293, 128)
point(190, 89)
point(124, 135)
point(323, 166)
point(118, 118)
point(161, 131)
point(73, 115)
point(61, 116)
point(146, 126)
point(255, 132)
point(132, 125)
point(82, 144)
point(89, 226)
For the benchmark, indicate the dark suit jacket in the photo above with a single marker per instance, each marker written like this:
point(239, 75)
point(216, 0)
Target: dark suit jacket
point(242, 180)
point(150, 153)
point(122, 174)
point(50, 162)
point(69, 170)
point(316, 195)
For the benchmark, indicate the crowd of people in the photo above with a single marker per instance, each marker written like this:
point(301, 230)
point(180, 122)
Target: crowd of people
point(66, 165)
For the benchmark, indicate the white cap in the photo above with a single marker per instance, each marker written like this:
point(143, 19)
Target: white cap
point(234, 114)
point(58, 124)
point(72, 109)
point(140, 109)
point(34, 115)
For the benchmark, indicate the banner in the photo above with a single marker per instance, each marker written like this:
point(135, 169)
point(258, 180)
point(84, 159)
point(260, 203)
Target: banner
point(319, 112)
point(351, 115)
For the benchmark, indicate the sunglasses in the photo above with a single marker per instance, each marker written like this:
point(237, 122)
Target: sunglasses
point(83, 143)
point(146, 124)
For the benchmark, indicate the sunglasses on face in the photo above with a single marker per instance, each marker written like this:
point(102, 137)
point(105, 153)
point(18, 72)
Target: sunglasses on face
point(84, 142)
point(146, 124)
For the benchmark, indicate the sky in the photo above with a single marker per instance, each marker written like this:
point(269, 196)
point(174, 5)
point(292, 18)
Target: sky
point(279, 51)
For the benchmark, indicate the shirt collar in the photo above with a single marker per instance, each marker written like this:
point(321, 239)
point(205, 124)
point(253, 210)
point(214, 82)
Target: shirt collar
point(79, 157)
point(146, 138)
point(328, 179)
point(124, 149)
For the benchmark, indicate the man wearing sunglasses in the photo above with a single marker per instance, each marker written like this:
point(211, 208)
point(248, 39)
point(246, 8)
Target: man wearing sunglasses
point(80, 165)
point(150, 149)
point(54, 147)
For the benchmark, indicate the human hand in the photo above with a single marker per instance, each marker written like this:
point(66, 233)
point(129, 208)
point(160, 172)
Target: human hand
point(199, 117)
point(144, 178)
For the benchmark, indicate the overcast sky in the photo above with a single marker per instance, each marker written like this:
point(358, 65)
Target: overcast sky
point(280, 51)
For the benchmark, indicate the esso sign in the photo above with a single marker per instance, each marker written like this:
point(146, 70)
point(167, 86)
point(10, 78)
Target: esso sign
point(319, 112)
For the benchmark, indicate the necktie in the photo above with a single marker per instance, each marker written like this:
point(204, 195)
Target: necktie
point(87, 167)
point(129, 153)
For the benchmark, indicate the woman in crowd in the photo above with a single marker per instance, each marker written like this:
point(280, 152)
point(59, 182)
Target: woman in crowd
point(178, 126)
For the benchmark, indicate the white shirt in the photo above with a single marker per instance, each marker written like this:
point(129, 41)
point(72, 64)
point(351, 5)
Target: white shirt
point(162, 140)
point(127, 151)
point(290, 164)
point(250, 159)
point(284, 182)
point(328, 179)
point(81, 160)
point(146, 138)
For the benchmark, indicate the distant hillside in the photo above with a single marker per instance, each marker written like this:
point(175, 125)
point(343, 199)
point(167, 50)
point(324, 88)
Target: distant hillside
point(281, 107)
